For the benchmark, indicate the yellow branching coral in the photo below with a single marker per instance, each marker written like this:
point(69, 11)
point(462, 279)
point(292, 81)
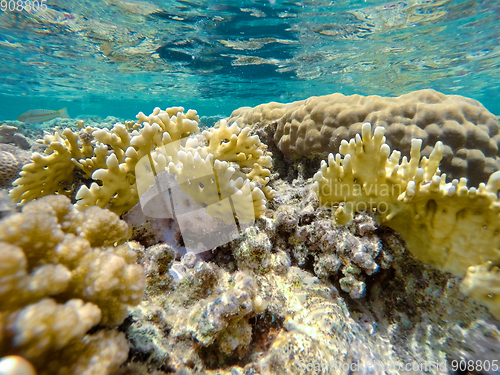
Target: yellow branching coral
point(117, 176)
point(231, 143)
point(234, 144)
point(222, 171)
point(107, 156)
point(116, 190)
point(446, 225)
point(173, 121)
point(110, 158)
point(208, 183)
point(52, 171)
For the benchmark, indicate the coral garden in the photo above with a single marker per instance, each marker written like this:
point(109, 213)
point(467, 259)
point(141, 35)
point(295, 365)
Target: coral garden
point(368, 243)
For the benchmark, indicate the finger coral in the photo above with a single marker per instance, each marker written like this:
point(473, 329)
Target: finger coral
point(116, 171)
point(446, 225)
point(105, 156)
point(53, 171)
point(109, 158)
point(217, 179)
point(316, 126)
point(63, 272)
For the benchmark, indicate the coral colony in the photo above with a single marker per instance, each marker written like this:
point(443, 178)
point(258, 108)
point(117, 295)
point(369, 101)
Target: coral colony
point(272, 243)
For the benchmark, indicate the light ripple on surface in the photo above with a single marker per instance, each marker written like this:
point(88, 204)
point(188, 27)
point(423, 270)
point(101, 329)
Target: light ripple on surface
point(209, 52)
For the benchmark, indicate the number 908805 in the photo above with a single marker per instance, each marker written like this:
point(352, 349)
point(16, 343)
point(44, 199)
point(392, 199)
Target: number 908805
point(22, 5)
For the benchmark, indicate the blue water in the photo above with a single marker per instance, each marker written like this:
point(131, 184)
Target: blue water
point(120, 57)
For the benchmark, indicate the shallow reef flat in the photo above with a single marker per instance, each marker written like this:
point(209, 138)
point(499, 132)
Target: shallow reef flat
point(335, 235)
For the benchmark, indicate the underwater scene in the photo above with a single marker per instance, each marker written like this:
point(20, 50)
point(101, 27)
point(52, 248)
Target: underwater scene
point(250, 187)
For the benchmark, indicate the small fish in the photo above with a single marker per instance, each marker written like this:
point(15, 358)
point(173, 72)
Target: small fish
point(41, 115)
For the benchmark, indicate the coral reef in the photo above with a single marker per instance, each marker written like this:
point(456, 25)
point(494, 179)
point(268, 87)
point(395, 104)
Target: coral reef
point(262, 311)
point(316, 280)
point(63, 272)
point(232, 164)
point(195, 314)
point(100, 155)
point(53, 171)
point(109, 158)
point(6, 205)
point(328, 299)
point(482, 283)
point(458, 227)
point(14, 154)
point(347, 253)
point(316, 126)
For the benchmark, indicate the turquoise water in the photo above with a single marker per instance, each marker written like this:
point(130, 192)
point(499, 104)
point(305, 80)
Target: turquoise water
point(323, 291)
point(120, 57)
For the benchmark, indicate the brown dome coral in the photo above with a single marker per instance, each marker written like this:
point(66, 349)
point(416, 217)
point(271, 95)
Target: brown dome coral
point(316, 126)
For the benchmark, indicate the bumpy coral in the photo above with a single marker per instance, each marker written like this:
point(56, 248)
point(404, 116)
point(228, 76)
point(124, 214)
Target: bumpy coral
point(200, 323)
point(316, 126)
point(12, 159)
point(6, 206)
point(351, 253)
point(303, 234)
point(457, 227)
point(110, 158)
point(99, 353)
point(220, 313)
point(199, 315)
point(62, 273)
